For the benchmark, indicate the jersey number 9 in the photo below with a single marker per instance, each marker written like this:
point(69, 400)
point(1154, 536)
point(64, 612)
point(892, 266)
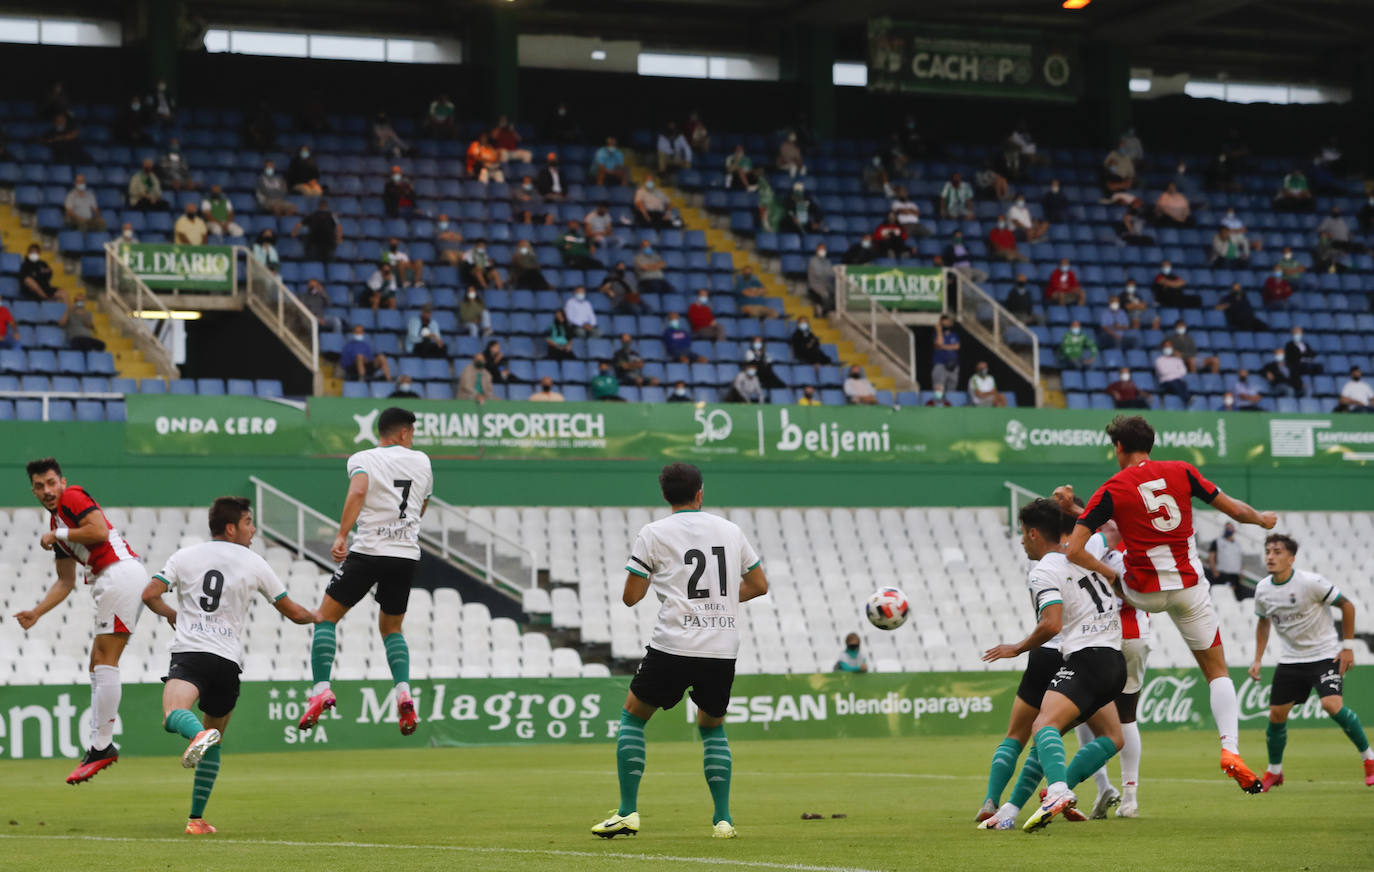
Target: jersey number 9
point(698, 561)
point(213, 588)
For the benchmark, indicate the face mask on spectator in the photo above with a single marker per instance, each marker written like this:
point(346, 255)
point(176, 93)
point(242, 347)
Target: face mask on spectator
point(1125, 375)
point(527, 186)
point(472, 295)
point(81, 186)
point(1168, 352)
point(1297, 334)
point(1055, 187)
point(443, 225)
point(649, 185)
point(703, 299)
point(1278, 273)
point(680, 390)
point(1166, 269)
point(674, 323)
point(1063, 267)
point(866, 243)
point(1020, 201)
point(820, 252)
point(33, 257)
point(758, 344)
point(939, 394)
point(581, 295)
point(751, 372)
point(1130, 289)
point(395, 177)
point(358, 334)
point(305, 153)
point(804, 327)
point(1113, 305)
point(1075, 330)
point(1278, 355)
point(524, 249)
point(1180, 330)
point(129, 233)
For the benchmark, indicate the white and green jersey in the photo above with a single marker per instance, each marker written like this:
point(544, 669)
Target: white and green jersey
point(1299, 609)
point(214, 583)
point(694, 562)
point(1091, 615)
point(399, 481)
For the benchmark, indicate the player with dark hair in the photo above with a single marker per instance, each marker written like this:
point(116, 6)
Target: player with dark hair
point(79, 532)
point(386, 484)
point(214, 582)
point(701, 568)
point(1151, 502)
point(1297, 604)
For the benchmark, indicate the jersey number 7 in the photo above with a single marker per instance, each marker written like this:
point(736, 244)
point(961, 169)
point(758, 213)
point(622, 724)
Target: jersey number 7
point(698, 560)
point(1156, 501)
point(404, 485)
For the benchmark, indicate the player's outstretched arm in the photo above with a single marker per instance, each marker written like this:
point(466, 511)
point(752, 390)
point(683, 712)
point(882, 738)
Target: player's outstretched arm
point(1051, 622)
point(1261, 642)
point(353, 505)
point(1243, 513)
point(1078, 555)
point(295, 612)
point(1347, 657)
point(152, 598)
point(754, 584)
point(66, 581)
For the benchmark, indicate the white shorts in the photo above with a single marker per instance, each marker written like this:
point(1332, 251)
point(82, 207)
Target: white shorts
point(1190, 608)
point(118, 595)
point(1136, 652)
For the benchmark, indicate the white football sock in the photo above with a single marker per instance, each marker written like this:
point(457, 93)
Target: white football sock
point(1008, 811)
point(319, 688)
point(1368, 753)
point(1226, 712)
point(403, 688)
point(1130, 753)
point(105, 693)
point(1275, 768)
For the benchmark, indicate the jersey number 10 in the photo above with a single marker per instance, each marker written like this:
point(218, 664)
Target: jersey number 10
point(698, 561)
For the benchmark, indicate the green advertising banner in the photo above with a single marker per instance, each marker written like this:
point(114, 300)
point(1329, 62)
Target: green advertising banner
point(205, 268)
point(52, 720)
point(903, 288)
point(164, 424)
point(910, 57)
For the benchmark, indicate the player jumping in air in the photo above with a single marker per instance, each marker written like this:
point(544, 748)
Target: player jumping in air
point(214, 583)
point(78, 532)
point(388, 490)
point(1151, 502)
point(1298, 606)
point(701, 567)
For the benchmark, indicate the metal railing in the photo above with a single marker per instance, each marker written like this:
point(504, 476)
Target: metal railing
point(978, 311)
point(890, 336)
point(1019, 496)
point(129, 298)
point(480, 548)
point(286, 316)
point(294, 524)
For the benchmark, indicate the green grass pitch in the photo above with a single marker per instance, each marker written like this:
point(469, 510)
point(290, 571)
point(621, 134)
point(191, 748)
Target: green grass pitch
point(909, 805)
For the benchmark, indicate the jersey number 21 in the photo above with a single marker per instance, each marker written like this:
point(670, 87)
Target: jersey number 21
point(698, 561)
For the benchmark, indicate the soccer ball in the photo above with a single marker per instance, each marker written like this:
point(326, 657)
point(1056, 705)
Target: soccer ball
point(887, 609)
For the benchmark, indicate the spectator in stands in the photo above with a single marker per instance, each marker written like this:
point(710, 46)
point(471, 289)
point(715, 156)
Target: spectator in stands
point(1131, 146)
point(652, 208)
point(478, 269)
point(989, 183)
point(679, 393)
point(161, 103)
point(746, 387)
point(1356, 394)
point(938, 399)
point(1118, 169)
point(473, 315)
point(1185, 346)
point(190, 228)
point(806, 346)
point(649, 270)
point(745, 280)
point(1290, 266)
point(1246, 392)
point(1077, 350)
point(1019, 301)
point(1063, 286)
point(423, 337)
point(956, 199)
point(558, 341)
point(789, 158)
point(1020, 220)
point(1130, 227)
point(496, 363)
point(131, 127)
point(405, 389)
point(1020, 151)
point(809, 397)
point(528, 204)
point(850, 659)
point(1188, 185)
point(802, 214)
point(218, 213)
point(442, 118)
point(1294, 194)
point(317, 301)
point(677, 340)
point(524, 269)
point(265, 250)
point(609, 164)
point(1240, 315)
point(1055, 204)
point(507, 141)
point(605, 386)
point(749, 287)
point(858, 390)
point(385, 139)
point(145, 191)
point(1168, 289)
point(862, 251)
point(889, 238)
point(1282, 380)
point(944, 360)
point(599, 225)
point(629, 364)
point(703, 320)
point(621, 286)
point(80, 209)
point(1002, 243)
point(1240, 234)
point(875, 179)
point(1137, 304)
point(674, 151)
point(484, 160)
point(1300, 356)
point(359, 362)
point(1224, 560)
point(79, 327)
point(1277, 290)
point(64, 140)
point(908, 214)
point(982, 388)
point(303, 173)
point(959, 257)
point(739, 171)
point(770, 208)
point(1114, 327)
point(549, 182)
point(448, 242)
point(1171, 373)
point(1329, 257)
point(410, 270)
point(1172, 208)
point(580, 314)
point(380, 290)
point(820, 282)
point(9, 330)
point(756, 354)
point(126, 233)
point(475, 382)
point(173, 169)
point(398, 195)
point(270, 192)
point(576, 250)
point(1228, 250)
point(1126, 394)
point(696, 133)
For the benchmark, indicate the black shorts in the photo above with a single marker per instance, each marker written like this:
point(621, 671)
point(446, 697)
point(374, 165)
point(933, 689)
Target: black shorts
point(661, 679)
point(1293, 682)
point(216, 678)
point(1044, 662)
point(359, 572)
point(1091, 678)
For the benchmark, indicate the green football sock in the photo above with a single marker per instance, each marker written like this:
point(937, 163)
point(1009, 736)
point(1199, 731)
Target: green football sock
point(397, 657)
point(206, 771)
point(1051, 747)
point(1089, 759)
point(322, 648)
point(717, 763)
point(1003, 765)
point(184, 723)
point(1276, 737)
point(1350, 722)
point(629, 760)
point(1031, 773)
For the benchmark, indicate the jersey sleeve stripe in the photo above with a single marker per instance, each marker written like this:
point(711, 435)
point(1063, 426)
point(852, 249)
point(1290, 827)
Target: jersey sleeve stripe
point(1044, 606)
point(1328, 593)
point(634, 571)
point(160, 578)
point(755, 566)
point(353, 472)
point(279, 597)
point(641, 562)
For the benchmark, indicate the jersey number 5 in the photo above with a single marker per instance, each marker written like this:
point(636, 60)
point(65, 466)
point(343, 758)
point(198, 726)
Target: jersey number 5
point(698, 560)
point(1156, 502)
point(404, 485)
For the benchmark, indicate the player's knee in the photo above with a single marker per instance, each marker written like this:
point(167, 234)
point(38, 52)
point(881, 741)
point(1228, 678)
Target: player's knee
point(1333, 704)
